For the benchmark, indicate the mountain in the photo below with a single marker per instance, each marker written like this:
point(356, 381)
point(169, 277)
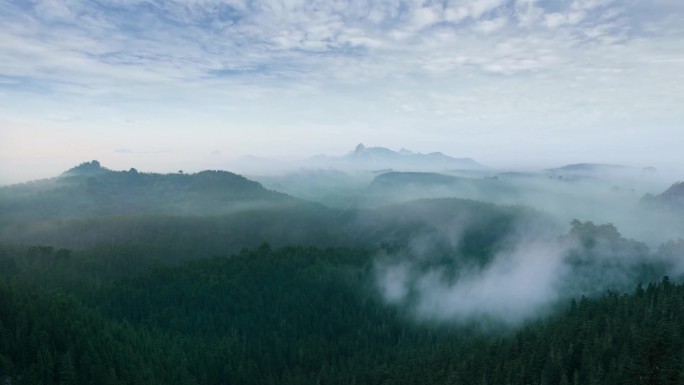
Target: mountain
point(374, 158)
point(91, 190)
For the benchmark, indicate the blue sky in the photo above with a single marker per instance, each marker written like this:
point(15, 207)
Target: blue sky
point(163, 85)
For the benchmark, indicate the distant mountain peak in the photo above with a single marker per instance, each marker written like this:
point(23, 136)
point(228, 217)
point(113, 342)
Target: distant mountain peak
point(383, 157)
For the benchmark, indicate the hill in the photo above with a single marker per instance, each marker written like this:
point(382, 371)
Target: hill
point(175, 217)
point(125, 277)
point(90, 190)
point(403, 186)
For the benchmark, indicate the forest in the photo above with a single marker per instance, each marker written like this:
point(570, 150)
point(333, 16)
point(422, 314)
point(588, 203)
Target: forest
point(111, 277)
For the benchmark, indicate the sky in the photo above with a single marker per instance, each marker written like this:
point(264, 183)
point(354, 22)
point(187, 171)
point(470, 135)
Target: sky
point(191, 84)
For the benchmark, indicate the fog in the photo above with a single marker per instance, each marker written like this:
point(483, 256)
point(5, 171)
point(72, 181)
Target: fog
point(529, 278)
point(373, 196)
point(597, 192)
point(538, 270)
point(518, 284)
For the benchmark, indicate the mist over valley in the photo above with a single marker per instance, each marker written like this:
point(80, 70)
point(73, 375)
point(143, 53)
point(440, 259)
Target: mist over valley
point(418, 255)
point(451, 245)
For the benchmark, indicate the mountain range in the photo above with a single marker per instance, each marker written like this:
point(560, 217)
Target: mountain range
point(382, 158)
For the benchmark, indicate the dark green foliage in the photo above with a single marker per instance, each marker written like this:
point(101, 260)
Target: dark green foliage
point(305, 315)
point(445, 226)
point(124, 283)
point(465, 228)
point(181, 238)
point(602, 259)
point(51, 338)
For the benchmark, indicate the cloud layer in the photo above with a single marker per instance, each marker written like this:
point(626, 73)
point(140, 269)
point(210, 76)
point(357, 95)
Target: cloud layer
point(287, 70)
point(196, 40)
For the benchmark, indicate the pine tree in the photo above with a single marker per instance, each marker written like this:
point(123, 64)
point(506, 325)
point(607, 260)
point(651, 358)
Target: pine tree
point(67, 372)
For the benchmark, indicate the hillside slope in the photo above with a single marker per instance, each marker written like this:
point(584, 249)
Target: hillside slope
point(90, 190)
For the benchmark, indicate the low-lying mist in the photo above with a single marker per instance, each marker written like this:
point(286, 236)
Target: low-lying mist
point(516, 285)
point(457, 245)
point(528, 278)
point(597, 193)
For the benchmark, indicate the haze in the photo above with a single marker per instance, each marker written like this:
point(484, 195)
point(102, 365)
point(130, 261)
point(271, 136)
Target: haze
point(196, 84)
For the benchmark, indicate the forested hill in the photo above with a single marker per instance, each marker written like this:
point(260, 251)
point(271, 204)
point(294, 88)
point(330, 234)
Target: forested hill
point(434, 222)
point(112, 277)
point(403, 186)
point(90, 190)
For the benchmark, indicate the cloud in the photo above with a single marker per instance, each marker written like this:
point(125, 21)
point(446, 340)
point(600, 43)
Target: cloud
point(188, 40)
point(491, 26)
point(528, 12)
point(526, 278)
point(480, 7)
point(519, 284)
point(255, 70)
point(555, 20)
